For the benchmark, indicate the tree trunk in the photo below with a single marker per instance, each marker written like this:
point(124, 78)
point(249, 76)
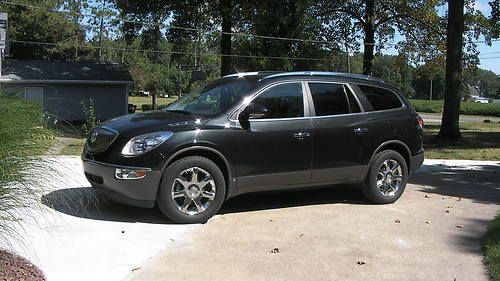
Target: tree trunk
point(369, 41)
point(225, 44)
point(454, 42)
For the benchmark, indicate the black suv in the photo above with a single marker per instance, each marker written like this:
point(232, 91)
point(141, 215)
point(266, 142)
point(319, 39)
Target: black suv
point(258, 131)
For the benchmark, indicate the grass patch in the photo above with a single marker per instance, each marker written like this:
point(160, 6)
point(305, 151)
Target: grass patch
point(480, 141)
point(466, 108)
point(74, 148)
point(491, 248)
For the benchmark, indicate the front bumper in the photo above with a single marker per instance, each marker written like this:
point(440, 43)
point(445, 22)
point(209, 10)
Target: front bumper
point(134, 192)
point(416, 161)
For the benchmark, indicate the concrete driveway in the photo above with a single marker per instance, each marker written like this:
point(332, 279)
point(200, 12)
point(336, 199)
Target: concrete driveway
point(432, 233)
point(78, 235)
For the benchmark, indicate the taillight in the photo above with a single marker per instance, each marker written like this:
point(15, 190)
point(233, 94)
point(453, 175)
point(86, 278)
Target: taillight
point(420, 122)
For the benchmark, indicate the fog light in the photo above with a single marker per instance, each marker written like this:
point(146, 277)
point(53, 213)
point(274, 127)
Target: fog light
point(129, 174)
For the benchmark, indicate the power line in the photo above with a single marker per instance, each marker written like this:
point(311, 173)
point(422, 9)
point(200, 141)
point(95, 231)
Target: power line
point(161, 25)
point(489, 58)
point(490, 53)
point(163, 52)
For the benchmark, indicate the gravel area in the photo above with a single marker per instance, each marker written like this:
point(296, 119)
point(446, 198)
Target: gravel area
point(14, 267)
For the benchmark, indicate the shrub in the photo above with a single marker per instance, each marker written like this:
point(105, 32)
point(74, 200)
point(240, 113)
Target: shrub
point(466, 108)
point(90, 117)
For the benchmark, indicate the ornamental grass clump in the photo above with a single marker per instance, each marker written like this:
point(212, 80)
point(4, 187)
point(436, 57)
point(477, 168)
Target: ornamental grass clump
point(23, 141)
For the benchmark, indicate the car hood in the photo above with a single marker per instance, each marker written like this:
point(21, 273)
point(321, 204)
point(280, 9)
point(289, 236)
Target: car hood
point(154, 121)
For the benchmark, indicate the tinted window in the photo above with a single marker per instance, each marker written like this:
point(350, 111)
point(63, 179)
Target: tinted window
point(331, 99)
point(283, 101)
point(380, 99)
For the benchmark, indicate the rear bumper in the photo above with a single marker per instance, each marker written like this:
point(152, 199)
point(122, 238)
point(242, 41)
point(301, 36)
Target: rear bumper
point(416, 161)
point(134, 192)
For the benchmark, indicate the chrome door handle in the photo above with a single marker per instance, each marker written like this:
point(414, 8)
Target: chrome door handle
point(360, 131)
point(301, 135)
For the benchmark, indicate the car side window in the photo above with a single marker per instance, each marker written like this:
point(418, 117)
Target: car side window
point(282, 101)
point(332, 99)
point(381, 99)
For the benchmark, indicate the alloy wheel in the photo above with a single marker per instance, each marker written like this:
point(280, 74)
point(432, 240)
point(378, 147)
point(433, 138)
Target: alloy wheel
point(193, 191)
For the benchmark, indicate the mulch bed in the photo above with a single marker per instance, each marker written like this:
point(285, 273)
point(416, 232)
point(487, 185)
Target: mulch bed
point(14, 267)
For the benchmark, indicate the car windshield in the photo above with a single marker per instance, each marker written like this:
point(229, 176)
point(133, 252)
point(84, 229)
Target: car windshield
point(214, 97)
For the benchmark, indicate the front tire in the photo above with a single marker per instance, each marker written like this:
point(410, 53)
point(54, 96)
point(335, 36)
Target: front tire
point(192, 190)
point(386, 180)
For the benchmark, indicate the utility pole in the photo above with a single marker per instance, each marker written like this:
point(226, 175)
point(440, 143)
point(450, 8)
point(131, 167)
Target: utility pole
point(430, 92)
point(103, 6)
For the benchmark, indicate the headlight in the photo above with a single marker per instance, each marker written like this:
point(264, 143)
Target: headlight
point(144, 143)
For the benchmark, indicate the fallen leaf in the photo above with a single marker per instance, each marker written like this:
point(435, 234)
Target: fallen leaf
point(427, 196)
point(361, 262)
point(136, 268)
point(449, 207)
point(123, 231)
point(275, 251)
point(397, 221)
point(271, 220)
point(459, 199)
point(428, 222)
point(460, 226)
point(447, 211)
point(302, 234)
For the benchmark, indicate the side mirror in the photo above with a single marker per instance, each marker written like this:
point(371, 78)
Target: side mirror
point(253, 111)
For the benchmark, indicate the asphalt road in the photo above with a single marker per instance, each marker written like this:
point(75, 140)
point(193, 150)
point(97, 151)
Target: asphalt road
point(428, 117)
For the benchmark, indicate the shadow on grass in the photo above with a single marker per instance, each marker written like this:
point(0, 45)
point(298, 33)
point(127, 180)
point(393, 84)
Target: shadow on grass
point(472, 138)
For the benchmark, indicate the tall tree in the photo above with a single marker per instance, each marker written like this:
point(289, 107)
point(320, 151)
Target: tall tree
point(454, 43)
point(41, 25)
point(380, 20)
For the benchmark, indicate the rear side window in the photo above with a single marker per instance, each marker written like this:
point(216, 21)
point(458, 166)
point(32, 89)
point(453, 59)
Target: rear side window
point(283, 101)
point(381, 99)
point(332, 99)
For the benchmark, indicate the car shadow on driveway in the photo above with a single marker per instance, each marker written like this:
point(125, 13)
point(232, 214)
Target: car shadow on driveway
point(480, 183)
point(347, 194)
point(85, 202)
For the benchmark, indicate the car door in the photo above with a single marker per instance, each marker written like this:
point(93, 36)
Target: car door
point(338, 132)
point(275, 150)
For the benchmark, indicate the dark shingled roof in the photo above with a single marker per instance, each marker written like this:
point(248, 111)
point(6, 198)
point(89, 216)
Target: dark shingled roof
point(63, 72)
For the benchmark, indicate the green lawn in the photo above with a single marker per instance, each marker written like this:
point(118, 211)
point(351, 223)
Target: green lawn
point(466, 108)
point(480, 141)
point(139, 101)
point(491, 248)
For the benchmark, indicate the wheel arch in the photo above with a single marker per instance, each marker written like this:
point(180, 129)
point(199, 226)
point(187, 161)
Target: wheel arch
point(397, 146)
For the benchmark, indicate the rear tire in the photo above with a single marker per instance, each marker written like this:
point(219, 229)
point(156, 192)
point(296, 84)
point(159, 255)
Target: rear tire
point(387, 177)
point(192, 190)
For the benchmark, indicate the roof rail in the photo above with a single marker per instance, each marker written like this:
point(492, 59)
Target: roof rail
point(241, 74)
point(324, 73)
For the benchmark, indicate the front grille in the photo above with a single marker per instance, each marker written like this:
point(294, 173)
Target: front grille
point(100, 139)
point(93, 178)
